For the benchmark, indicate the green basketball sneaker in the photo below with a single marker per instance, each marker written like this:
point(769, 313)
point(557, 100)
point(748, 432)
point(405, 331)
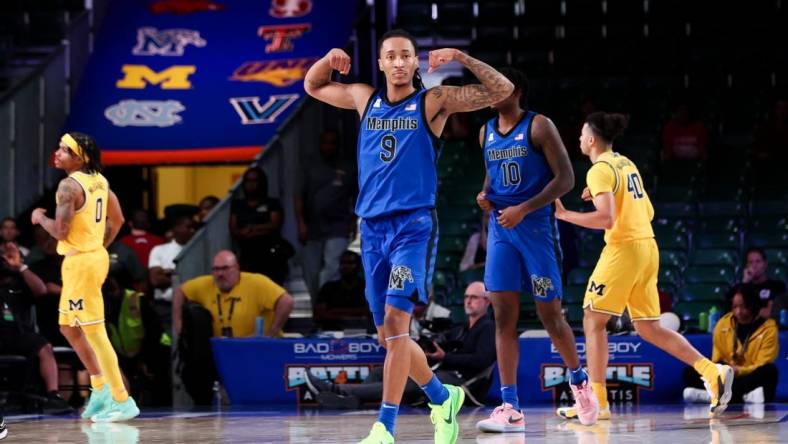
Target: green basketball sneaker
point(444, 416)
point(378, 435)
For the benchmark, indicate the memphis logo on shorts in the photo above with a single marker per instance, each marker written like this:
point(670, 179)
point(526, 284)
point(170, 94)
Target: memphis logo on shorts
point(252, 112)
point(279, 73)
point(593, 287)
point(76, 305)
point(158, 113)
point(398, 276)
point(541, 285)
point(166, 42)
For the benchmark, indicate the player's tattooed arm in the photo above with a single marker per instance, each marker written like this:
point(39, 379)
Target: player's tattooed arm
point(68, 194)
point(494, 86)
point(318, 83)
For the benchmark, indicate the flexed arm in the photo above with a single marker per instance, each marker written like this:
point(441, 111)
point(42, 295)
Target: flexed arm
point(494, 86)
point(318, 83)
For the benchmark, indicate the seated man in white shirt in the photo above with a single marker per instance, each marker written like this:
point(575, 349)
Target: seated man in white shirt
point(161, 265)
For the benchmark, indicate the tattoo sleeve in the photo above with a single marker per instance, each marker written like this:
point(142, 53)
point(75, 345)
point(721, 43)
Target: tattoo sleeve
point(67, 193)
point(494, 87)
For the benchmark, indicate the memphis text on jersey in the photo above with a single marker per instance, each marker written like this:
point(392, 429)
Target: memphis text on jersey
point(507, 153)
point(400, 123)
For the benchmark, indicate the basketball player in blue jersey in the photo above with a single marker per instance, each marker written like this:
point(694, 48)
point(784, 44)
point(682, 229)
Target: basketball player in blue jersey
point(397, 151)
point(527, 167)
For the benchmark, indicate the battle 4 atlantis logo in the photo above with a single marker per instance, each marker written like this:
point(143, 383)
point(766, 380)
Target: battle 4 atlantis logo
point(624, 382)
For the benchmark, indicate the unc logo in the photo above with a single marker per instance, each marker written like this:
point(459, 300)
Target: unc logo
point(157, 113)
point(75, 305)
point(598, 289)
point(541, 285)
point(252, 112)
point(290, 8)
point(165, 42)
point(398, 276)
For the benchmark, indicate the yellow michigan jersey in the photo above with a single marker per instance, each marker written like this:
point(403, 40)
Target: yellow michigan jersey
point(86, 264)
point(626, 274)
point(87, 227)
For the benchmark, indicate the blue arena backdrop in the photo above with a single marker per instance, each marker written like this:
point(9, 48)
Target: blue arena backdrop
point(185, 81)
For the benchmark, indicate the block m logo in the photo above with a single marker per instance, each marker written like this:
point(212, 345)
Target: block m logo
point(598, 289)
point(252, 112)
point(138, 77)
point(75, 305)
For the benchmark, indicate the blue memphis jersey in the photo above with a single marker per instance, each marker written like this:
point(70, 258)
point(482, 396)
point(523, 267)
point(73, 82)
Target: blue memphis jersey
point(397, 156)
point(516, 170)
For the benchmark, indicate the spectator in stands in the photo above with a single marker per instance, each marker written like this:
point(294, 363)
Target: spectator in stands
point(684, 137)
point(255, 224)
point(139, 239)
point(143, 347)
point(461, 353)
point(228, 303)
point(9, 232)
point(771, 137)
point(125, 266)
point(756, 272)
point(18, 286)
point(48, 269)
point(324, 212)
point(162, 265)
point(748, 343)
point(341, 303)
point(476, 249)
point(40, 238)
point(206, 205)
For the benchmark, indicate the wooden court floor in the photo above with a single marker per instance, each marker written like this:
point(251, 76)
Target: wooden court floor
point(672, 424)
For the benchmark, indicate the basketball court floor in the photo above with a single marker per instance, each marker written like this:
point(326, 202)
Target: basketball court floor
point(670, 424)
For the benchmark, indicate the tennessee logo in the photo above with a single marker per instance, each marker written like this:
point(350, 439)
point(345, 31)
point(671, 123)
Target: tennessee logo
point(252, 112)
point(139, 76)
point(75, 305)
point(290, 8)
point(398, 276)
point(281, 37)
point(184, 6)
point(165, 42)
point(158, 113)
point(279, 73)
point(598, 289)
point(541, 285)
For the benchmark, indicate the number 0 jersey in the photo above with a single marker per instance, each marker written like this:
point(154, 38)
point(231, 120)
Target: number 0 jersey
point(516, 170)
point(397, 156)
point(615, 173)
point(87, 227)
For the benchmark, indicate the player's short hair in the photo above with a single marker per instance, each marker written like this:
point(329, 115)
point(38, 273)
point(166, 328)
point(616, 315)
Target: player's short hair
point(758, 250)
point(519, 80)
point(607, 126)
point(417, 82)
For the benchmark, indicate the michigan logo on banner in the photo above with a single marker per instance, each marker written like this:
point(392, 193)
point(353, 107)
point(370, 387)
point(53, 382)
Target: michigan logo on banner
point(182, 81)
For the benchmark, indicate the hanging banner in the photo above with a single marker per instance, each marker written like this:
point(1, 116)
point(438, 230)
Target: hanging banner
point(188, 81)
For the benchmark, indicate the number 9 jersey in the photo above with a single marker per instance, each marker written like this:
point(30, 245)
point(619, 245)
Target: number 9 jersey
point(616, 174)
point(87, 227)
point(397, 156)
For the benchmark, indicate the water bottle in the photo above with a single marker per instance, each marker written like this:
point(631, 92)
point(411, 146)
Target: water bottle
point(217, 395)
point(8, 315)
point(703, 321)
point(784, 318)
point(714, 316)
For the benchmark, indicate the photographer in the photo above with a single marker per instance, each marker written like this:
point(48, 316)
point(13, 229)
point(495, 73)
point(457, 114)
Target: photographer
point(459, 354)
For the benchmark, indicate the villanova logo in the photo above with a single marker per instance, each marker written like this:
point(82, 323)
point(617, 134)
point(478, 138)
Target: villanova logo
point(398, 276)
point(167, 42)
point(598, 289)
point(279, 73)
point(157, 113)
point(541, 285)
point(75, 305)
point(252, 112)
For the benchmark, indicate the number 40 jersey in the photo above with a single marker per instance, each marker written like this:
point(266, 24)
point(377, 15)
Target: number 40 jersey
point(397, 156)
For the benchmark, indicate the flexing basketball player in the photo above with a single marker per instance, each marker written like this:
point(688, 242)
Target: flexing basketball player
point(87, 219)
point(626, 274)
point(528, 168)
point(398, 148)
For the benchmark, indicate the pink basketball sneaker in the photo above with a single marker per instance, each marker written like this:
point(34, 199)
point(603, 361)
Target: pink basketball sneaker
point(586, 404)
point(504, 419)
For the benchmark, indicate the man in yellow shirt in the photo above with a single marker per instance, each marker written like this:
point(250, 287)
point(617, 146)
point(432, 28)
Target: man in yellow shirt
point(235, 299)
point(749, 344)
point(626, 274)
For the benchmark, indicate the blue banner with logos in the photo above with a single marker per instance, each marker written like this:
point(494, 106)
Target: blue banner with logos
point(272, 371)
point(184, 81)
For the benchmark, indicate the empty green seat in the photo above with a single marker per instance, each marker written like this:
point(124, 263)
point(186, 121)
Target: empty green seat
point(715, 256)
point(769, 239)
point(710, 274)
point(690, 311)
point(731, 241)
point(703, 292)
point(669, 274)
point(777, 255)
point(674, 242)
point(722, 208)
point(451, 244)
point(673, 257)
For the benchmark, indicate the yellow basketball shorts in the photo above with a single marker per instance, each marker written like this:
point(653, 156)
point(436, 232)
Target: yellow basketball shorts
point(83, 275)
point(626, 277)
